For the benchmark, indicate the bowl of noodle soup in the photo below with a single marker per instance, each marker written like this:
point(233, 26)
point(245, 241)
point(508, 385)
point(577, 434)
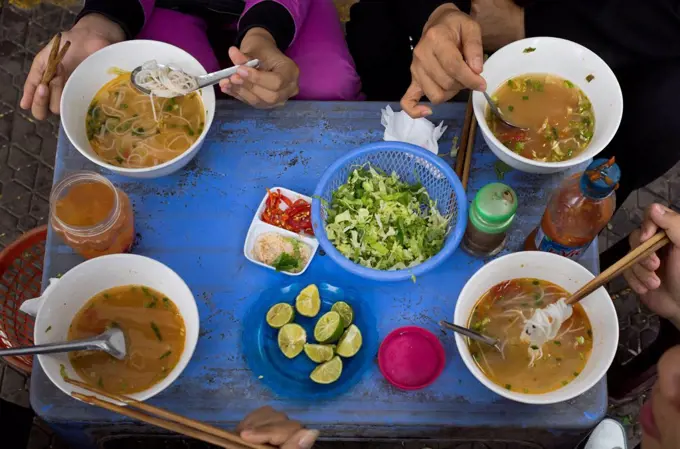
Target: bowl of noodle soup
point(125, 131)
point(587, 351)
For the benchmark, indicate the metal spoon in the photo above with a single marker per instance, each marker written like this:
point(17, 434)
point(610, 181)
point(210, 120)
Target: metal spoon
point(202, 80)
point(112, 342)
point(472, 334)
point(497, 112)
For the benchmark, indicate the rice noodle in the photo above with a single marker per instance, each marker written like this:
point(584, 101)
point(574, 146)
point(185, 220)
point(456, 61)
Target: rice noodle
point(543, 326)
point(166, 81)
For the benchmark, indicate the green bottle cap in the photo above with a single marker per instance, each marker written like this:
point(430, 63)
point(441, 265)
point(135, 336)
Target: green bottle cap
point(493, 208)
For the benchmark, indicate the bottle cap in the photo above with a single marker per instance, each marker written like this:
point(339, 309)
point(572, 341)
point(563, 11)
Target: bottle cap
point(493, 208)
point(601, 178)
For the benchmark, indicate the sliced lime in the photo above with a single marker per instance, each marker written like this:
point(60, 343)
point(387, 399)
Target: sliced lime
point(350, 342)
point(329, 328)
point(345, 311)
point(292, 339)
point(328, 372)
point(319, 353)
point(280, 315)
point(308, 302)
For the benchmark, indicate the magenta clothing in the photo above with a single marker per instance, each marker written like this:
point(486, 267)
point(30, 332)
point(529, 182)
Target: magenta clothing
point(327, 71)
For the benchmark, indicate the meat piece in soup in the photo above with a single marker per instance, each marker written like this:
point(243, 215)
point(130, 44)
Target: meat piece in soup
point(130, 129)
point(154, 330)
point(501, 313)
point(558, 115)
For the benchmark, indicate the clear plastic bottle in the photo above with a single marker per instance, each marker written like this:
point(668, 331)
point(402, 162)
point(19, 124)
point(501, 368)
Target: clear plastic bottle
point(91, 215)
point(577, 211)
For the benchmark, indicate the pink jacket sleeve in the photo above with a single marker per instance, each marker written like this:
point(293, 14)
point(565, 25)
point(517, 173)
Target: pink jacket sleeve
point(297, 8)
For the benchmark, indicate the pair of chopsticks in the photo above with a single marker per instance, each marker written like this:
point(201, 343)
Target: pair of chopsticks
point(658, 241)
point(163, 418)
point(56, 55)
point(467, 143)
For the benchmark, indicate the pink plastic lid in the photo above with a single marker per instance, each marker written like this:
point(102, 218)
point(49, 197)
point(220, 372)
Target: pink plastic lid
point(411, 358)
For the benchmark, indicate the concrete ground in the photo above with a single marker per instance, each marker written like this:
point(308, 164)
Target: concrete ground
point(27, 151)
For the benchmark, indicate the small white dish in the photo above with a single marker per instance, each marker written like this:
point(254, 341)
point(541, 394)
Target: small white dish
point(570, 61)
point(259, 227)
point(64, 298)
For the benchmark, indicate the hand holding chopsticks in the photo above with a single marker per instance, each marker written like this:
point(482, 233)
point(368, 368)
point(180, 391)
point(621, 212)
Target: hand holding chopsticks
point(658, 241)
point(277, 428)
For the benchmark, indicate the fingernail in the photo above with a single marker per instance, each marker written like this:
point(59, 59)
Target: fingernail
point(42, 90)
point(242, 72)
point(308, 439)
point(246, 434)
point(236, 80)
point(426, 113)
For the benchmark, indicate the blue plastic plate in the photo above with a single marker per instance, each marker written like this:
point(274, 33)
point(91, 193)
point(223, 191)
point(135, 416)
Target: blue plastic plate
point(290, 378)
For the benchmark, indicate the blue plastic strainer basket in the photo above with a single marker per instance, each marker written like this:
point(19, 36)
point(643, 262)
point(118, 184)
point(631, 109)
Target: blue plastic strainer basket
point(413, 164)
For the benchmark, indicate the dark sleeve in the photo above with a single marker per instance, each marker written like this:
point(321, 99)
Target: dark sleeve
point(619, 33)
point(129, 14)
point(415, 13)
point(271, 16)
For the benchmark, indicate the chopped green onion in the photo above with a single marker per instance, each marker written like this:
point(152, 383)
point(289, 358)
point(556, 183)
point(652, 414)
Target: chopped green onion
point(164, 355)
point(558, 343)
point(508, 386)
point(590, 77)
point(156, 331)
point(49, 328)
point(525, 97)
point(580, 339)
point(529, 50)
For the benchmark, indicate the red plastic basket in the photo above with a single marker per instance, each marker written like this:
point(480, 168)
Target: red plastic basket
point(21, 267)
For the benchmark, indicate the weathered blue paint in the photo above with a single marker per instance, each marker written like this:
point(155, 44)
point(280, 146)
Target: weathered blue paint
point(196, 221)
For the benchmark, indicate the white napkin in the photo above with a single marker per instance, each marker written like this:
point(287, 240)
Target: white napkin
point(401, 127)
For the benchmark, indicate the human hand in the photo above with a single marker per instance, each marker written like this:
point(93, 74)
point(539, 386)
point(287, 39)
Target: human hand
point(91, 33)
point(502, 22)
point(267, 426)
point(657, 278)
point(448, 58)
point(272, 83)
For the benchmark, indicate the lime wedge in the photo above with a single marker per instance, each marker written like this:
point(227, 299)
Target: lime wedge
point(319, 353)
point(329, 328)
point(345, 311)
point(350, 342)
point(328, 372)
point(308, 302)
point(292, 339)
point(280, 314)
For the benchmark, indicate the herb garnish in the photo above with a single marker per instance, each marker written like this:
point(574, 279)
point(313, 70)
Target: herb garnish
point(156, 331)
point(164, 355)
point(529, 50)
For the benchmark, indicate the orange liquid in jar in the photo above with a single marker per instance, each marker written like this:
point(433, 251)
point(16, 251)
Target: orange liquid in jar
point(94, 219)
point(86, 204)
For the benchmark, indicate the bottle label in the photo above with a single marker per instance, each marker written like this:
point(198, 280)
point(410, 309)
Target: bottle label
point(545, 243)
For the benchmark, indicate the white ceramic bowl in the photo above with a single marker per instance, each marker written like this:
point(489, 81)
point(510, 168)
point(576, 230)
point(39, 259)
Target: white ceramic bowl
point(570, 276)
point(94, 72)
point(570, 61)
point(66, 296)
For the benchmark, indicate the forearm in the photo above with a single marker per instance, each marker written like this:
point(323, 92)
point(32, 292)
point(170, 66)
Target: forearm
point(129, 15)
point(413, 15)
point(281, 19)
point(111, 31)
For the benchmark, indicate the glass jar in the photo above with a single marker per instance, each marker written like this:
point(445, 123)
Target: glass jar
point(489, 218)
point(91, 215)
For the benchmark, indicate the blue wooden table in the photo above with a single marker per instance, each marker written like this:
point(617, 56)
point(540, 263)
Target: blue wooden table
point(195, 222)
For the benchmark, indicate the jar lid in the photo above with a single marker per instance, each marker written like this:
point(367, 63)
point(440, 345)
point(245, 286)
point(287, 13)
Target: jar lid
point(493, 208)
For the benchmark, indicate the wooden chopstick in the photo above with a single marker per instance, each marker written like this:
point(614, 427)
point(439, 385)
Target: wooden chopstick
point(658, 241)
point(464, 136)
point(56, 55)
point(164, 419)
point(468, 153)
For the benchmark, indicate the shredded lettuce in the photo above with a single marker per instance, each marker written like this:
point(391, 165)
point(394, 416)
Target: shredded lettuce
point(378, 221)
